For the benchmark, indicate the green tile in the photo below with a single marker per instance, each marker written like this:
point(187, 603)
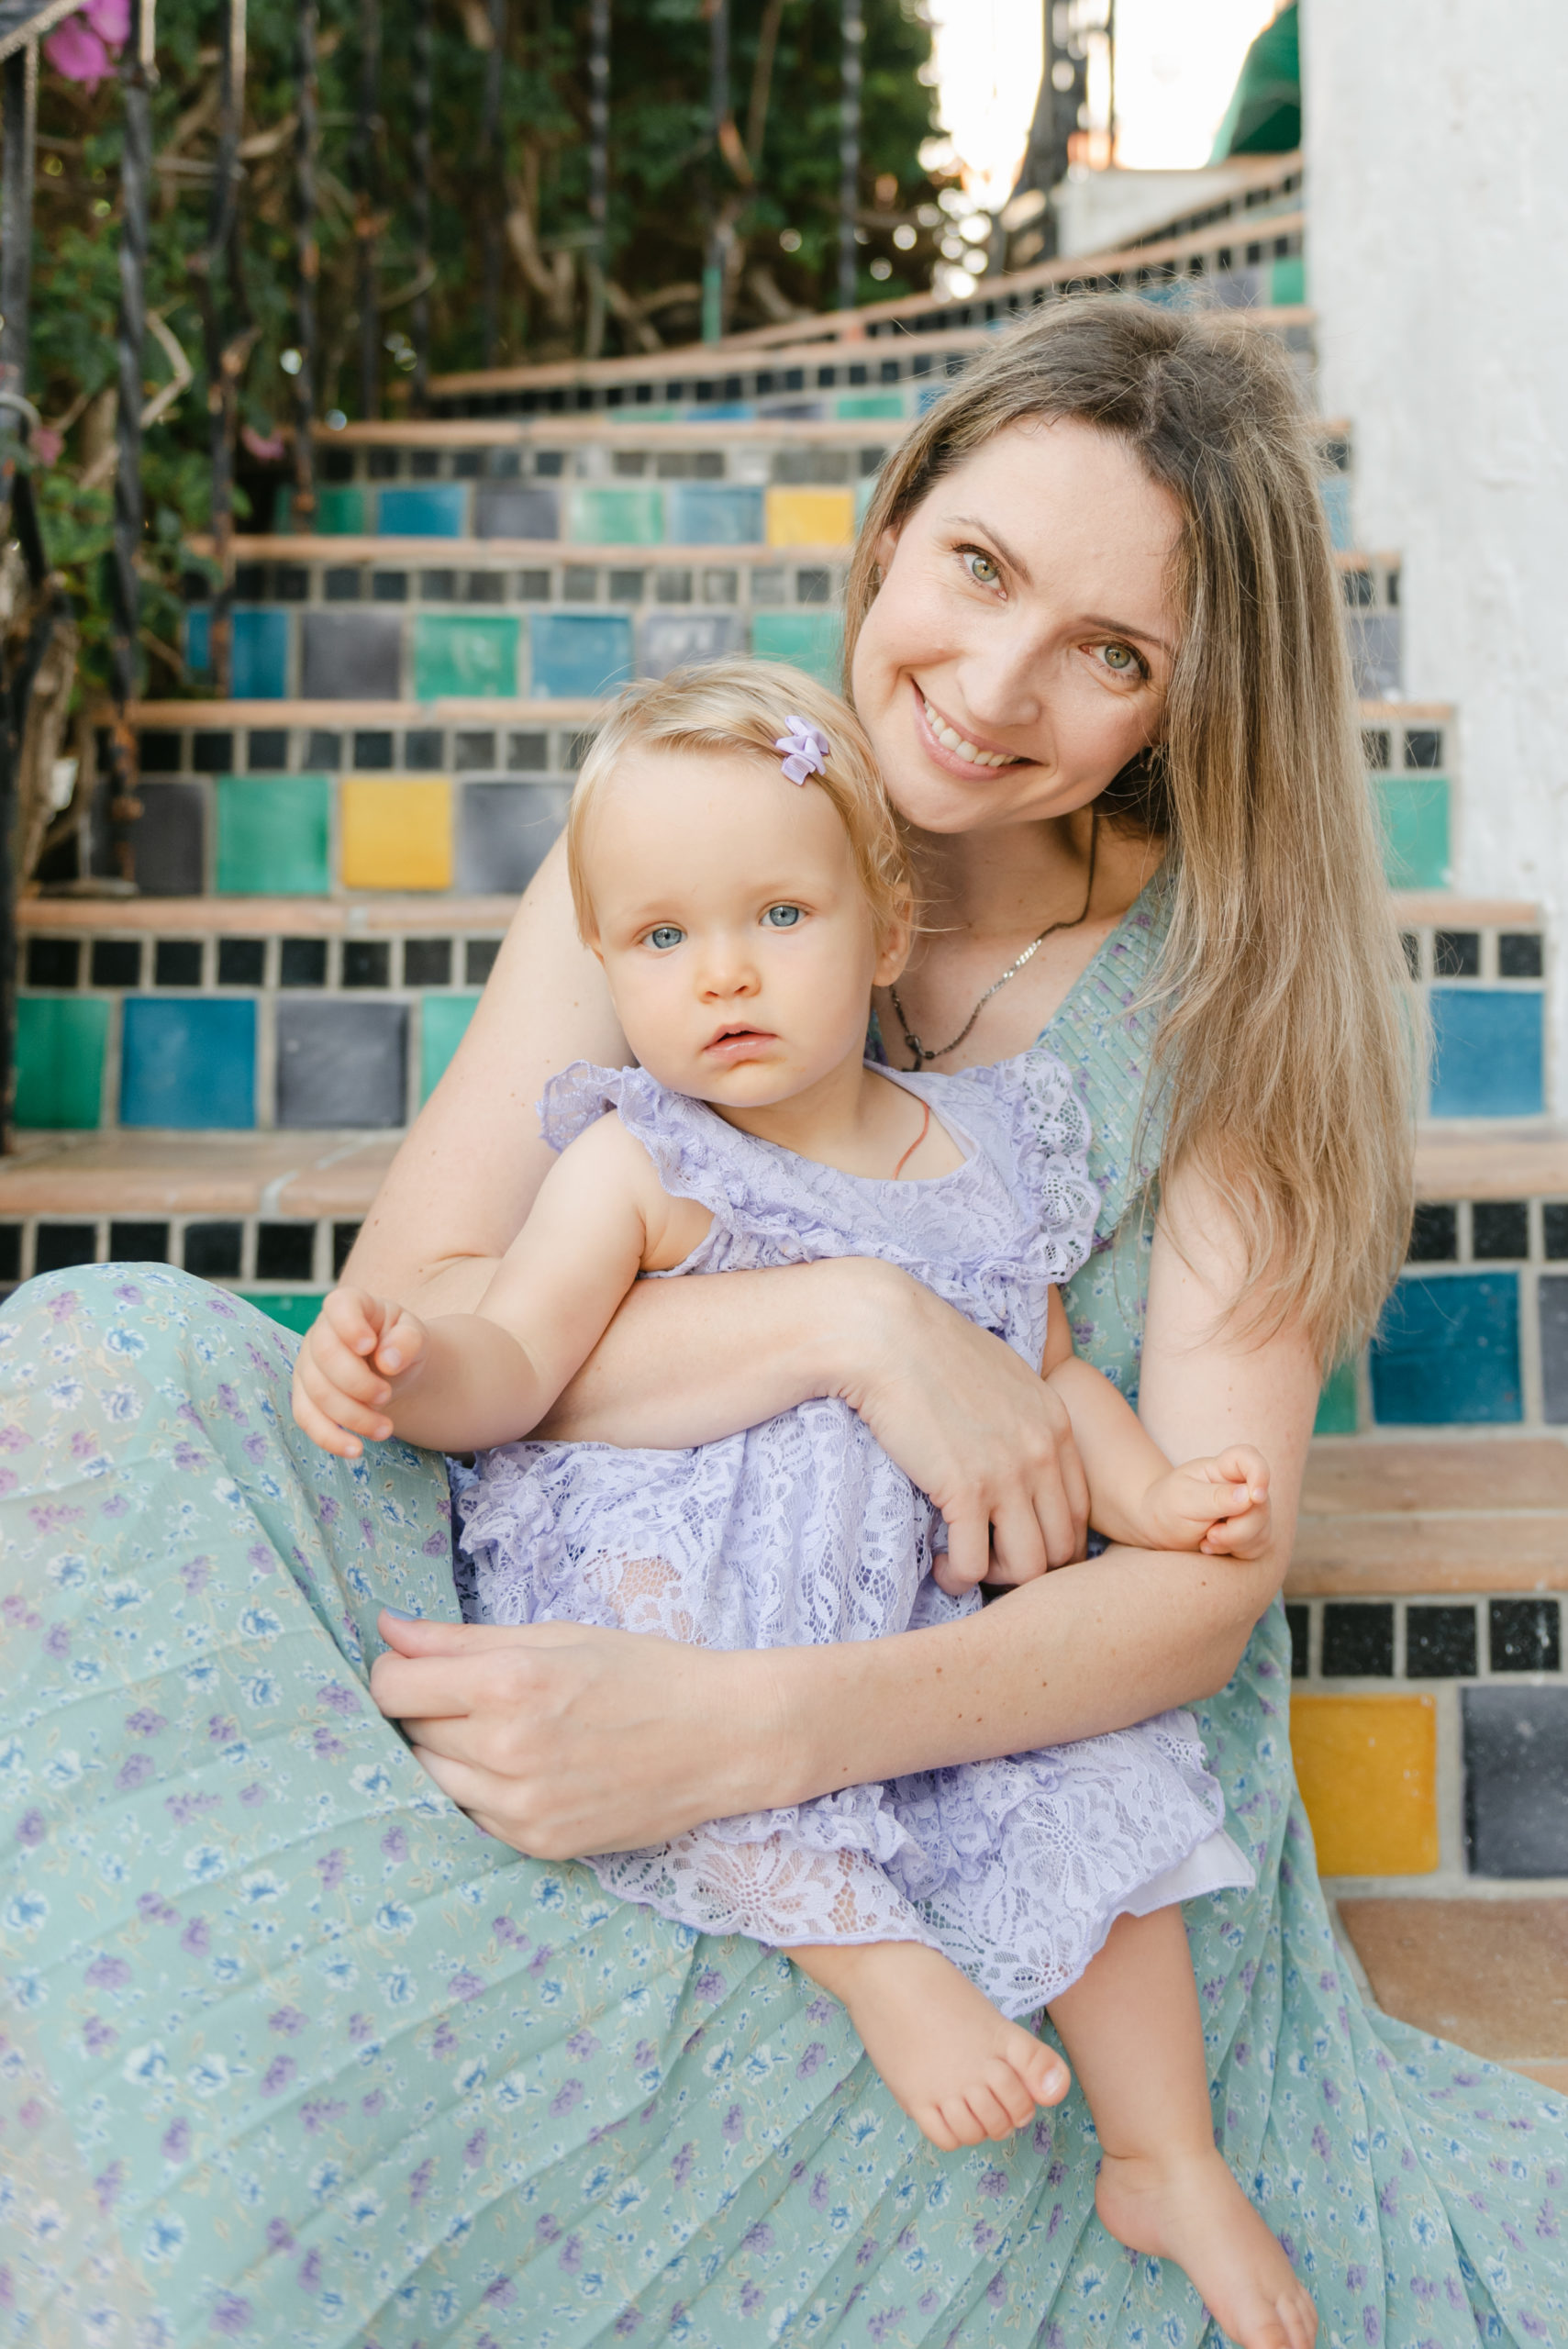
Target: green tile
point(465, 655)
point(1337, 1403)
point(273, 835)
point(851, 405)
point(865, 490)
point(340, 513)
point(442, 1023)
point(808, 640)
point(61, 1043)
point(295, 1311)
point(1287, 284)
point(1414, 810)
point(618, 517)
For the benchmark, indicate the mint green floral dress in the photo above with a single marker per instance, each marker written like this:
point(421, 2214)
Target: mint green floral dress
point(291, 2053)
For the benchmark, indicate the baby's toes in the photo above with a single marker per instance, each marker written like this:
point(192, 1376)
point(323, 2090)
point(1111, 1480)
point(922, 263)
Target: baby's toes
point(933, 2124)
point(962, 2125)
point(1040, 2067)
point(1006, 2084)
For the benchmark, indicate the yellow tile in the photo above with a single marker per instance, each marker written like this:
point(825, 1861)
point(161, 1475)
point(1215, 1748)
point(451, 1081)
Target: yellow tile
point(395, 835)
point(1367, 1770)
point(811, 517)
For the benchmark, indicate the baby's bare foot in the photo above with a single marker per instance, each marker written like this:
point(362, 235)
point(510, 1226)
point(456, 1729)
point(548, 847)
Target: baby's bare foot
point(1190, 2209)
point(959, 2069)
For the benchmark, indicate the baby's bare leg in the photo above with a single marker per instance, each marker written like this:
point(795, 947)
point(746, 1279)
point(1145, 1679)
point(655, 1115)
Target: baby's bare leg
point(1131, 2026)
point(959, 2069)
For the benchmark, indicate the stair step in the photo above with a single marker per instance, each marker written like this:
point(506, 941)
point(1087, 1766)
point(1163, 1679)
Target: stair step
point(1489, 1974)
point(1382, 1514)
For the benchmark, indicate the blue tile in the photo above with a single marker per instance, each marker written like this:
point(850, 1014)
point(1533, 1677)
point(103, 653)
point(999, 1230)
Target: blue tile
point(1488, 1053)
point(1516, 1781)
point(198, 639)
point(577, 655)
point(437, 510)
point(715, 514)
point(1447, 1353)
point(188, 1063)
point(260, 656)
point(669, 641)
point(1335, 492)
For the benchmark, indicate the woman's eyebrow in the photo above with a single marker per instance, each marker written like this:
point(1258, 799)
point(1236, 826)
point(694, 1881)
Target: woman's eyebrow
point(1137, 635)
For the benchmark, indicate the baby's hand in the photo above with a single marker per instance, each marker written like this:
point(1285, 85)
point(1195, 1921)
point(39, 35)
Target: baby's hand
point(1219, 1507)
point(355, 1355)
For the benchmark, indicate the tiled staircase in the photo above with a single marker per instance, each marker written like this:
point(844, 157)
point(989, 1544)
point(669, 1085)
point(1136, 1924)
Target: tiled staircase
point(213, 1072)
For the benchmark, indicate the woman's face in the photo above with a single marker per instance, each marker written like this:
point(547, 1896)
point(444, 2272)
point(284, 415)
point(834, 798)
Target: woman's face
point(1020, 644)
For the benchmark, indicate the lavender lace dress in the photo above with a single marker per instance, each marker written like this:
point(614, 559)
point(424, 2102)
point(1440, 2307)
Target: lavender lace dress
point(803, 1530)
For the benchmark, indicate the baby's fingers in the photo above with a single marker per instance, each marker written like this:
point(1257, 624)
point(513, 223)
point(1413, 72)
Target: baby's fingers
point(1245, 1536)
point(327, 1355)
point(401, 1345)
point(1244, 1465)
point(354, 1315)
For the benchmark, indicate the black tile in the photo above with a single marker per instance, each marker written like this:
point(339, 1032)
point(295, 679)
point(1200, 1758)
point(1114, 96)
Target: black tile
point(1554, 1229)
point(474, 751)
point(389, 586)
point(1376, 747)
point(351, 656)
point(343, 1238)
point(467, 464)
point(1360, 587)
point(1456, 954)
point(291, 583)
point(167, 839)
point(373, 753)
point(250, 583)
point(1422, 748)
point(479, 959)
point(428, 962)
point(533, 586)
point(117, 962)
point(1439, 1642)
point(267, 752)
point(212, 754)
point(626, 586)
point(341, 584)
point(367, 962)
point(302, 962)
point(285, 1251)
point(424, 749)
point(213, 1249)
point(139, 1243)
point(338, 464)
point(1299, 1618)
point(380, 465)
point(58, 1246)
point(438, 586)
point(10, 1252)
point(813, 586)
point(177, 962)
point(1519, 955)
point(158, 753)
point(580, 583)
point(1551, 1304)
point(323, 751)
point(530, 754)
point(341, 1063)
point(241, 962)
point(1358, 1640)
point(53, 961)
point(518, 509)
point(1524, 1634)
point(424, 465)
point(549, 464)
point(485, 588)
point(1499, 1229)
point(1412, 945)
point(1434, 1234)
point(1516, 1781)
point(675, 587)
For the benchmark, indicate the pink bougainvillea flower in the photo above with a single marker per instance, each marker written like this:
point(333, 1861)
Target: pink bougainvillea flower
point(46, 445)
point(266, 452)
point(110, 19)
point(75, 51)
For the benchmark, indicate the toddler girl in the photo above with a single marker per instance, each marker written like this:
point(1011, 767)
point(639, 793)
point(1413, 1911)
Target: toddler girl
point(738, 869)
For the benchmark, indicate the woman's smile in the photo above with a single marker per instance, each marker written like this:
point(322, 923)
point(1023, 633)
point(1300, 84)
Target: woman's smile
point(952, 745)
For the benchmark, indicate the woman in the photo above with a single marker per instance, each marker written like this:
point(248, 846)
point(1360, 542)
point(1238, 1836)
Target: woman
point(302, 2053)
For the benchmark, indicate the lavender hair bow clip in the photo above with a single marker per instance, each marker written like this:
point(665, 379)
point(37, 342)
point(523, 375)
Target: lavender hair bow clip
point(805, 748)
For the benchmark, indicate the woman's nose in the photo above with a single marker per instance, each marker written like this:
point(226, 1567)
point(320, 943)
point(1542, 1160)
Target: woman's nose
point(1002, 674)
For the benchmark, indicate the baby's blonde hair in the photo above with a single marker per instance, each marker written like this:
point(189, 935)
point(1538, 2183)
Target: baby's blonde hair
point(746, 706)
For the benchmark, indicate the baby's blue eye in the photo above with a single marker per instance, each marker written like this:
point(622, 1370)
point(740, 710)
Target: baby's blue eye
point(782, 917)
point(665, 936)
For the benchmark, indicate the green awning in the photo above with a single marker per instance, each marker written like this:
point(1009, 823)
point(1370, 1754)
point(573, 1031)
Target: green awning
point(1264, 114)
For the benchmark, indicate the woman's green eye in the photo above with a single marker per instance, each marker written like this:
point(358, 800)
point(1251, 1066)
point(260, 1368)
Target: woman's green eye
point(665, 936)
point(1120, 657)
point(982, 569)
point(782, 917)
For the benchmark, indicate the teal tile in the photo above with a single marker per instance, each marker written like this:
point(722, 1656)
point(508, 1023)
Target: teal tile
point(717, 514)
point(293, 1312)
point(197, 647)
point(188, 1061)
point(579, 655)
point(808, 640)
point(1288, 281)
point(1447, 1353)
point(340, 513)
point(60, 1044)
point(853, 406)
point(1487, 1048)
point(273, 835)
point(436, 509)
point(1337, 1403)
point(865, 490)
point(1414, 810)
point(1335, 492)
point(618, 517)
point(464, 655)
point(260, 667)
point(443, 1021)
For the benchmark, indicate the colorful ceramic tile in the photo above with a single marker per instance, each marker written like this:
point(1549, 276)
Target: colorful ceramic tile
point(395, 835)
point(351, 656)
point(852, 406)
point(506, 831)
point(272, 833)
point(443, 1021)
point(714, 513)
point(436, 509)
point(195, 630)
point(1335, 492)
point(509, 509)
point(618, 517)
point(1288, 281)
point(811, 517)
point(188, 1061)
point(1551, 1297)
point(1414, 810)
point(292, 1310)
point(1367, 1770)
point(1488, 1053)
point(1337, 1409)
point(812, 641)
point(1375, 655)
point(1447, 1353)
point(677, 639)
point(464, 655)
point(168, 840)
point(59, 1061)
point(576, 656)
point(341, 1063)
point(260, 658)
point(1516, 1781)
point(340, 513)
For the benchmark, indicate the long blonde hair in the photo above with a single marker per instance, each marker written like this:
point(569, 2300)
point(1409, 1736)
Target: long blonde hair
point(1288, 1040)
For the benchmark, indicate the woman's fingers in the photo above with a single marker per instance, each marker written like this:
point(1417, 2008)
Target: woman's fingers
point(1019, 1549)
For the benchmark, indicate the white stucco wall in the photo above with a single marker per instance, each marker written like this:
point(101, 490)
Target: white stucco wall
point(1437, 166)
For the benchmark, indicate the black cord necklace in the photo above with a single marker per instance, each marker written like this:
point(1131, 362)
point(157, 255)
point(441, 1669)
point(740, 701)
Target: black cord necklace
point(924, 1052)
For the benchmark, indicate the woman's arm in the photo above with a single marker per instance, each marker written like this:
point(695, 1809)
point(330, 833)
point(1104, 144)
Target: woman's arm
point(562, 1740)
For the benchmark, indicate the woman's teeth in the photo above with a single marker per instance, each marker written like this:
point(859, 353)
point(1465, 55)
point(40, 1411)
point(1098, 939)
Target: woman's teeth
point(951, 739)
